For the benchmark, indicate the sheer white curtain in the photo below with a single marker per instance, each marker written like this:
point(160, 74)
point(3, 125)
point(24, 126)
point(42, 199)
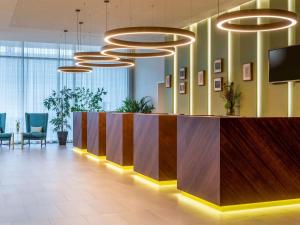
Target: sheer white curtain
point(28, 74)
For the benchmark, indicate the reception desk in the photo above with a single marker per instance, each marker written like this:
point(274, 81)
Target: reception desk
point(80, 130)
point(119, 138)
point(229, 161)
point(96, 133)
point(155, 146)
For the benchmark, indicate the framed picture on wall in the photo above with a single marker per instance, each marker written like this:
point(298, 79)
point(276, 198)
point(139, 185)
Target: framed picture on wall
point(218, 84)
point(201, 78)
point(248, 72)
point(168, 81)
point(183, 73)
point(218, 66)
point(182, 88)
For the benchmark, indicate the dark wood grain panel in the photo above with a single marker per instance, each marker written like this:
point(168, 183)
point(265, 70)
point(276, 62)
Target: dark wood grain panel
point(119, 138)
point(155, 146)
point(146, 145)
point(96, 133)
point(260, 159)
point(230, 161)
point(198, 157)
point(167, 147)
point(80, 130)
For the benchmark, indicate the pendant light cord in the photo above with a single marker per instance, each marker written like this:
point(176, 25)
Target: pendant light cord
point(130, 13)
point(218, 7)
point(191, 11)
point(80, 35)
point(65, 47)
point(152, 13)
point(106, 14)
point(77, 27)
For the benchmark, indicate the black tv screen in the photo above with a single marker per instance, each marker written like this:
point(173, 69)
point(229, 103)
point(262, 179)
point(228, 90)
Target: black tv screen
point(284, 64)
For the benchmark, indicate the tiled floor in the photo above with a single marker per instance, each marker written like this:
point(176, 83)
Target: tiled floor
point(59, 187)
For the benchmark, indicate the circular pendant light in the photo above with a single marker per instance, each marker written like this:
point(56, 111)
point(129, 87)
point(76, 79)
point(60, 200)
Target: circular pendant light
point(94, 56)
point(74, 69)
point(284, 19)
point(185, 37)
point(122, 63)
point(114, 50)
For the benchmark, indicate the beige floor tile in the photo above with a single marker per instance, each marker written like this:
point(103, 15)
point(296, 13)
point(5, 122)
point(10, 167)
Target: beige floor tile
point(107, 219)
point(32, 222)
point(59, 187)
point(43, 212)
point(70, 221)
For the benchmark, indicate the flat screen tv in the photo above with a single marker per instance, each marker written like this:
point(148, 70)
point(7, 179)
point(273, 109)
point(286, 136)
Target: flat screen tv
point(284, 64)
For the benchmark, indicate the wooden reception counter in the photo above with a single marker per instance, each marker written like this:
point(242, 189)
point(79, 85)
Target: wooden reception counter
point(119, 138)
point(229, 161)
point(155, 146)
point(80, 130)
point(96, 133)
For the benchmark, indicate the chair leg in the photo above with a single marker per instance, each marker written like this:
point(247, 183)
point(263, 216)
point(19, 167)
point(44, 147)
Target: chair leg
point(9, 144)
point(41, 144)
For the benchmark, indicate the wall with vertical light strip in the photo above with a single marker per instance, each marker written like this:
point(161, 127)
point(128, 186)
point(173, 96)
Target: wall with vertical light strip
point(259, 98)
point(169, 69)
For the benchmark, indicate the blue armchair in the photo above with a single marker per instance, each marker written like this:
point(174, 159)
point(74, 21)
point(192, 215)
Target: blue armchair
point(36, 128)
point(4, 136)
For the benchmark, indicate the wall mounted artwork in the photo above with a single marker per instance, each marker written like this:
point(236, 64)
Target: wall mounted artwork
point(182, 88)
point(168, 81)
point(218, 66)
point(248, 72)
point(201, 78)
point(218, 84)
point(183, 73)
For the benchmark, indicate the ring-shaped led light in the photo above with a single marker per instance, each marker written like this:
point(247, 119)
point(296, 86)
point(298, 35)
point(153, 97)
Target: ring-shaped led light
point(122, 63)
point(94, 56)
point(113, 50)
point(185, 37)
point(74, 69)
point(286, 19)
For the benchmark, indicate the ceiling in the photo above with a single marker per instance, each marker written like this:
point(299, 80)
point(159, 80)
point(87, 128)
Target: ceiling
point(44, 20)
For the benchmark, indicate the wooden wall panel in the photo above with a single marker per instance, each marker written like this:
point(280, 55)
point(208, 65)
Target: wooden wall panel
point(146, 145)
point(80, 130)
point(229, 161)
point(119, 138)
point(155, 146)
point(167, 147)
point(198, 157)
point(260, 159)
point(96, 133)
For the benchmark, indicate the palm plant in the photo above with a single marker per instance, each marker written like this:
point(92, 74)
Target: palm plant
point(144, 105)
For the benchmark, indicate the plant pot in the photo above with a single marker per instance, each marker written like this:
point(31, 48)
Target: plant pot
point(230, 112)
point(62, 137)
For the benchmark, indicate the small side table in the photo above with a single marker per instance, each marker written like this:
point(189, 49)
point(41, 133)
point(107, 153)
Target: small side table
point(17, 138)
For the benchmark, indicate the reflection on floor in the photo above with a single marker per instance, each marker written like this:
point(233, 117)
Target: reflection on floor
point(57, 186)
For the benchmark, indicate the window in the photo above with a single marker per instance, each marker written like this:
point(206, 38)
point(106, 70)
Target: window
point(28, 74)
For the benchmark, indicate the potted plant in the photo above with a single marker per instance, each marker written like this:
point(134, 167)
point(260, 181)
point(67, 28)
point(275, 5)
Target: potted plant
point(18, 126)
point(144, 105)
point(87, 101)
point(59, 102)
point(231, 96)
